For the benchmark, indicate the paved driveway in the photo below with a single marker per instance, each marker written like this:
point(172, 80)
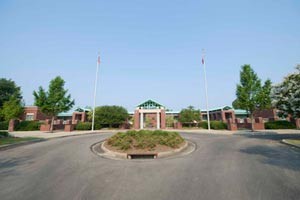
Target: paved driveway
point(222, 167)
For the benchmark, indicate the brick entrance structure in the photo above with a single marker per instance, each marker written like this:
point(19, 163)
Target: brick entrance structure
point(150, 115)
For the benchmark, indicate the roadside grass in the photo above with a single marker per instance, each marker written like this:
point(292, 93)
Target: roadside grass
point(5, 139)
point(145, 139)
point(293, 142)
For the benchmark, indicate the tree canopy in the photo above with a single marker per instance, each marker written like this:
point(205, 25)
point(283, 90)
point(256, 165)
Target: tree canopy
point(8, 88)
point(189, 115)
point(110, 116)
point(250, 94)
point(286, 95)
point(12, 109)
point(55, 100)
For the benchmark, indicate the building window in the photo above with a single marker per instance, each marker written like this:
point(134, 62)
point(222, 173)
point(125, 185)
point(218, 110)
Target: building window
point(29, 116)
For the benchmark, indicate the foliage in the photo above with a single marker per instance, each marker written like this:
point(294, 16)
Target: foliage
point(12, 109)
point(8, 88)
point(83, 126)
point(217, 125)
point(55, 100)
point(286, 95)
point(28, 126)
point(250, 94)
point(189, 115)
point(4, 134)
point(145, 139)
point(280, 125)
point(110, 116)
point(170, 121)
point(4, 125)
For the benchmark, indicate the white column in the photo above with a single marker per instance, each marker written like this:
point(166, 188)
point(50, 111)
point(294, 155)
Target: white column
point(141, 121)
point(157, 120)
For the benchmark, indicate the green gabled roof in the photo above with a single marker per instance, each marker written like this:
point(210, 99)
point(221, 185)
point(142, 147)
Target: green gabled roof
point(150, 104)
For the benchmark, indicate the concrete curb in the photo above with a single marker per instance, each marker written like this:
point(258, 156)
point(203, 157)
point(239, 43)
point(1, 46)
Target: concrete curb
point(159, 155)
point(11, 146)
point(287, 143)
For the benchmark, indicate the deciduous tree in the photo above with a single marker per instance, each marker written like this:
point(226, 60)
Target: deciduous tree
point(55, 100)
point(286, 95)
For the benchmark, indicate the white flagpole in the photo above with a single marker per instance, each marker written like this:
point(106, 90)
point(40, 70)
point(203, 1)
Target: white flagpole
point(95, 92)
point(205, 80)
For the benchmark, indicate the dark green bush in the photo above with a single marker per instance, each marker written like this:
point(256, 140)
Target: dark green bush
point(83, 126)
point(3, 134)
point(280, 125)
point(3, 125)
point(28, 126)
point(217, 125)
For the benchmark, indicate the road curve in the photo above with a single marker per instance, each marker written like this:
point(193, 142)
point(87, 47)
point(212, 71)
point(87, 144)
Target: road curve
point(222, 167)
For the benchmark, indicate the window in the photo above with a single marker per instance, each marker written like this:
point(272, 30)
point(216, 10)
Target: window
point(29, 116)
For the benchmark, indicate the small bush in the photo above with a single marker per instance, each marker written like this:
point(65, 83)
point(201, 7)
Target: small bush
point(3, 125)
point(217, 125)
point(280, 125)
point(83, 126)
point(28, 126)
point(3, 134)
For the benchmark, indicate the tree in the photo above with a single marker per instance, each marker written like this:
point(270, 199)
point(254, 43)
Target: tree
point(7, 89)
point(53, 101)
point(286, 95)
point(110, 116)
point(12, 108)
point(250, 94)
point(189, 115)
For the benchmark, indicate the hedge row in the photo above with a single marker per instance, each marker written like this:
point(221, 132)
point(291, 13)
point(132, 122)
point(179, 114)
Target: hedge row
point(3, 125)
point(83, 126)
point(28, 126)
point(217, 125)
point(4, 134)
point(280, 125)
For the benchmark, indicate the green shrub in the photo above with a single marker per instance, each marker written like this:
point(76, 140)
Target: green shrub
point(217, 125)
point(3, 134)
point(145, 139)
point(280, 125)
point(4, 125)
point(28, 126)
point(83, 126)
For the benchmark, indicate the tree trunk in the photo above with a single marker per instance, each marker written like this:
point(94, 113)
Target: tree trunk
point(252, 122)
point(51, 126)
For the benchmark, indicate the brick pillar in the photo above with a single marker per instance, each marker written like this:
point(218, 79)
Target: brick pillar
point(136, 119)
point(12, 124)
point(297, 122)
point(69, 126)
point(231, 125)
point(163, 119)
point(46, 125)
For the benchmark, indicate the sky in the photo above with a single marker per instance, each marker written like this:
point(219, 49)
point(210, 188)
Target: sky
point(149, 49)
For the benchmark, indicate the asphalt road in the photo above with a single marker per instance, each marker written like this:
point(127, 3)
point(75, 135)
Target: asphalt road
point(222, 167)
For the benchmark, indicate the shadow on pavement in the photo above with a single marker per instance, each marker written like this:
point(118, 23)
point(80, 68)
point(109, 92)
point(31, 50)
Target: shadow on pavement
point(279, 156)
point(8, 166)
point(269, 135)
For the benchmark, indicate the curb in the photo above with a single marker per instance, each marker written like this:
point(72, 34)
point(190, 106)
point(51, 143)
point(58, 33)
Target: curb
point(159, 155)
point(11, 146)
point(287, 143)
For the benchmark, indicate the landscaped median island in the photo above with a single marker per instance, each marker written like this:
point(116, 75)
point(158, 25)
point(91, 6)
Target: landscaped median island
point(6, 139)
point(144, 142)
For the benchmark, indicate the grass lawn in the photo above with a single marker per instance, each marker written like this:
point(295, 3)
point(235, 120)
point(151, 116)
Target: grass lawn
point(293, 142)
point(145, 139)
point(12, 140)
